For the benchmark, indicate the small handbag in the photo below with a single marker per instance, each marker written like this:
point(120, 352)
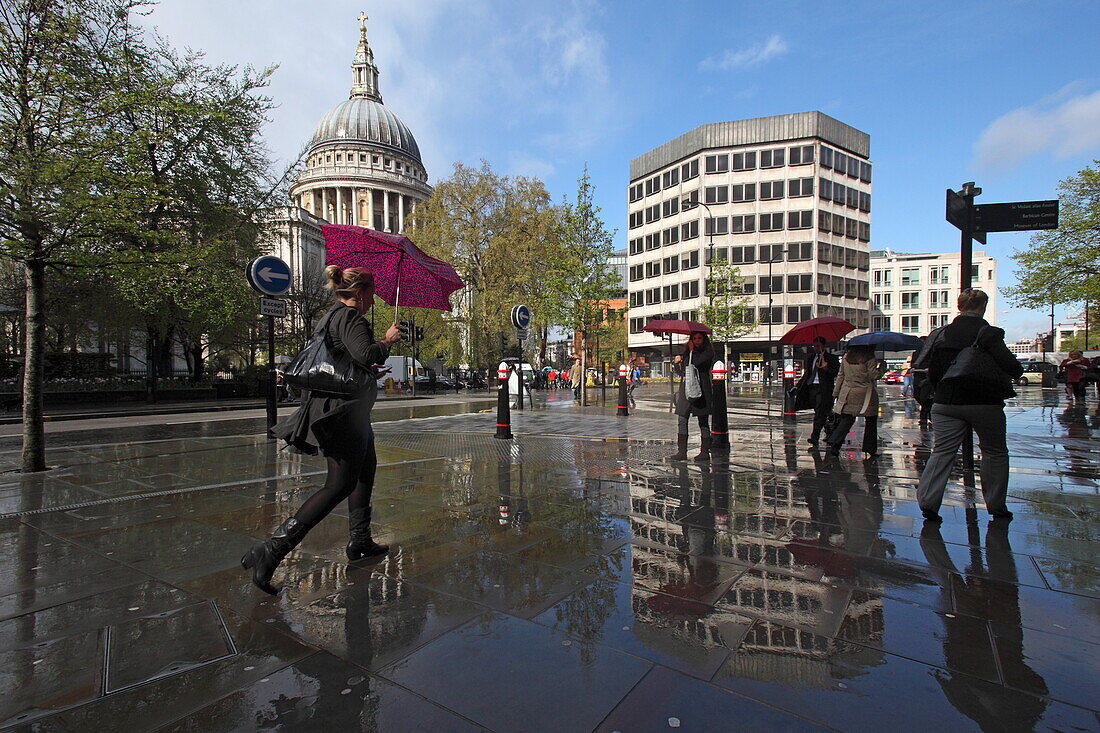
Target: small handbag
point(320, 368)
point(693, 390)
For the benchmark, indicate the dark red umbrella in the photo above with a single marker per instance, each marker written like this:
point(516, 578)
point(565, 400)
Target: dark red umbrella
point(828, 327)
point(403, 273)
point(667, 326)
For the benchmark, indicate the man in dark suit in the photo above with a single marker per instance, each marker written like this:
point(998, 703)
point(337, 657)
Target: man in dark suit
point(815, 388)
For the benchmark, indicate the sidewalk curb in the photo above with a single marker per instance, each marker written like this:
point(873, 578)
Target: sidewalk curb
point(180, 410)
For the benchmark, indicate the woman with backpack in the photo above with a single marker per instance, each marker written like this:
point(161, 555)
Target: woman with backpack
point(856, 396)
point(337, 426)
point(694, 396)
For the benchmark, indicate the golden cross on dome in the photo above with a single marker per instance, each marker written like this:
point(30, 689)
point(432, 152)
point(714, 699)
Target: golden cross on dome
point(362, 19)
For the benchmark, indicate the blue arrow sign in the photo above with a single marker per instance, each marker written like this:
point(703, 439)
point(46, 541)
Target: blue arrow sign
point(521, 316)
point(268, 275)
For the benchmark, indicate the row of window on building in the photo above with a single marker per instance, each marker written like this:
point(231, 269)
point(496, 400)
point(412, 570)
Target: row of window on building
point(937, 275)
point(911, 300)
point(910, 324)
point(835, 285)
point(788, 314)
point(751, 160)
point(749, 192)
point(353, 158)
point(829, 254)
point(827, 222)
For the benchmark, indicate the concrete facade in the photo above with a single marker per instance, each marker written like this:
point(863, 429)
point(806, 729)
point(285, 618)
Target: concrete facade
point(915, 293)
point(794, 189)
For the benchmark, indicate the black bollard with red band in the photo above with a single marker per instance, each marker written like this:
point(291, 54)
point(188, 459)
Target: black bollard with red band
point(624, 399)
point(504, 409)
point(719, 421)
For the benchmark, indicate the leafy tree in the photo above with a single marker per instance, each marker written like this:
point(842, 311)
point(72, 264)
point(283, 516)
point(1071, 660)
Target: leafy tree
point(1063, 265)
point(497, 231)
point(64, 173)
point(726, 309)
point(581, 277)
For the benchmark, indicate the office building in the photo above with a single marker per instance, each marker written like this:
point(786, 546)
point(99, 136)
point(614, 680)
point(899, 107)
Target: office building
point(915, 293)
point(787, 199)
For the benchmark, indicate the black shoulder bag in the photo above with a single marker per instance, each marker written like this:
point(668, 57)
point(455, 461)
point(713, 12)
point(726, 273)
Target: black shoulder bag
point(320, 368)
point(976, 371)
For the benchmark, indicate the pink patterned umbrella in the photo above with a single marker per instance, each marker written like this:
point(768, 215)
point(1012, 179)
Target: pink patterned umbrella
point(403, 274)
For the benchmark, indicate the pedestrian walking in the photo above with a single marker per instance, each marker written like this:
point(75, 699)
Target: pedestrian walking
point(336, 426)
point(635, 379)
point(907, 378)
point(856, 396)
point(960, 406)
point(552, 379)
point(1074, 367)
point(1096, 372)
point(694, 396)
point(815, 388)
point(575, 377)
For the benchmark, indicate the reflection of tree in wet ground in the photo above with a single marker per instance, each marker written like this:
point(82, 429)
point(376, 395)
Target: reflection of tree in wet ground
point(584, 613)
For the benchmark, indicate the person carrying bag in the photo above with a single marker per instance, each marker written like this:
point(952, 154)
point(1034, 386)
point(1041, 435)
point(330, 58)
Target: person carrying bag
point(337, 368)
point(694, 395)
point(971, 371)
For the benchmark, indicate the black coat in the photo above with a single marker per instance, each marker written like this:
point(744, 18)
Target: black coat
point(826, 379)
point(704, 362)
point(945, 343)
point(335, 425)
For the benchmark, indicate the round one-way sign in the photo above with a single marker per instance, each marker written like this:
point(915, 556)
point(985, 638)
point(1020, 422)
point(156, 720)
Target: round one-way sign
point(268, 275)
point(521, 316)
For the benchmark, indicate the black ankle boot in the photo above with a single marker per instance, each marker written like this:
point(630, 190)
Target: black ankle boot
point(361, 544)
point(704, 449)
point(265, 557)
point(681, 449)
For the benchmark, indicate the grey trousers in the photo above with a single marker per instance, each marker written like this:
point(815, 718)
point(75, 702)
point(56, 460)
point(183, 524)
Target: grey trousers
point(949, 425)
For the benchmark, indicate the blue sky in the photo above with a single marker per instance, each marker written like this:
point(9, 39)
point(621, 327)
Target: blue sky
point(1004, 93)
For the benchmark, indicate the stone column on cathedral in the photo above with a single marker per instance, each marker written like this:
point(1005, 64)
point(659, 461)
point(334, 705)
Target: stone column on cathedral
point(400, 212)
point(370, 208)
point(339, 205)
point(386, 212)
point(324, 205)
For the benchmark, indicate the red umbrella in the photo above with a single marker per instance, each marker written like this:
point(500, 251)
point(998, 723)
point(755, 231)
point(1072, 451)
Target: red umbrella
point(666, 326)
point(831, 329)
point(403, 274)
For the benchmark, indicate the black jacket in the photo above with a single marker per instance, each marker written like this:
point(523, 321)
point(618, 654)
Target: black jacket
point(703, 361)
point(825, 378)
point(943, 346)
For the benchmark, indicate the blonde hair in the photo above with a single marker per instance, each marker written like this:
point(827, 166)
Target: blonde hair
point(345, 283)
point(972, 299)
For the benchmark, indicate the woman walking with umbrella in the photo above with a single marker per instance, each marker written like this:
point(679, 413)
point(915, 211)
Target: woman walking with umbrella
point(694, 395)
point(856, 396)
point(337, 426)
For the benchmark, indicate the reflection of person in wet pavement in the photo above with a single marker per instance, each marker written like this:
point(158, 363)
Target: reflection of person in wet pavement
point(974, 594)
point(1074, 419)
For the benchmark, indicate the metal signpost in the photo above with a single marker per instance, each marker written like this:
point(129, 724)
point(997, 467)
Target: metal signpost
point(269, 275)
point(973, 221)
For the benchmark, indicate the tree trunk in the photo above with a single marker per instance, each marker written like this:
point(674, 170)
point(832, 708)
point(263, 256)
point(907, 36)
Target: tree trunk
point(34, 437)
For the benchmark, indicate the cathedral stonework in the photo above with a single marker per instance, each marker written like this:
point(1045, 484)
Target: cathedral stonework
point(363, 165)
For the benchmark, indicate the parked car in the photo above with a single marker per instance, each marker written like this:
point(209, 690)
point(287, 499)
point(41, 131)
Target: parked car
point(1033, 373)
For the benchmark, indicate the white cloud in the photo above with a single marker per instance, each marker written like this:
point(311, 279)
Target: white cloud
point(772, 47)
point(1065, 124)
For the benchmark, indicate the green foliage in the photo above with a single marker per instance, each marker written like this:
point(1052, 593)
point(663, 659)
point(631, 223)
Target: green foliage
point(726, 309)
point(1063, 265)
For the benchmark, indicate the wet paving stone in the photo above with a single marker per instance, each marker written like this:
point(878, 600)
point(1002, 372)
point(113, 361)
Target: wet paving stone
point(576, 684)
point(685, 635)
point(322, 693)
point(666, 700)
point(553, 582)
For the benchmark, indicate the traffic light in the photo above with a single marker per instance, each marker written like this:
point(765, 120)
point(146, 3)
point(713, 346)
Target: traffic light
point(419, 333)
point(503, 341)
point(403, 326)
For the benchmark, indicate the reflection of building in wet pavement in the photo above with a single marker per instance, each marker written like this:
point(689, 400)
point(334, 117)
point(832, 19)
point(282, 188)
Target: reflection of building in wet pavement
point(699, 523)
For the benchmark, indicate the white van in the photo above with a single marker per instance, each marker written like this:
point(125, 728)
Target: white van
point(402, 369)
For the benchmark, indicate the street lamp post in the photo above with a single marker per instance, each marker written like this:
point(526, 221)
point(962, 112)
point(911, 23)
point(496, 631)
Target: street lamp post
point(709, 282)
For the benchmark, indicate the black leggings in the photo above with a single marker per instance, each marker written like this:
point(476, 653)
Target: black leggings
point(348, 478)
